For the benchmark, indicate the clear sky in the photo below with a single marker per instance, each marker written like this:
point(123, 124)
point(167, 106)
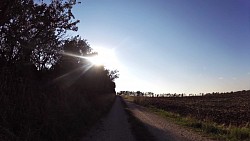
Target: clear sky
point(172, 46)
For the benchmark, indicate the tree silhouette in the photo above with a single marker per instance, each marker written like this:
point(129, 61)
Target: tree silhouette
point(30, 32)
point(48, 89)
point(113, 74)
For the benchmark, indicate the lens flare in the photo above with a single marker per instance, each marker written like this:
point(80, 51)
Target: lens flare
point(106, 57)
point(96, 60)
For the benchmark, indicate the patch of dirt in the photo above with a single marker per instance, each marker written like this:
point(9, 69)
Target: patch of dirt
point(162, 129)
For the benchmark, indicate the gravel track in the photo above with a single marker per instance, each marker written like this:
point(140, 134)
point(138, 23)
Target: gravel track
point(162, 129)
point(113, 127)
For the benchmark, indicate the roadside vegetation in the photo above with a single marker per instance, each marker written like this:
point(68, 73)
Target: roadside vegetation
point(219, 116)
point(48, 90)
point(138, 128)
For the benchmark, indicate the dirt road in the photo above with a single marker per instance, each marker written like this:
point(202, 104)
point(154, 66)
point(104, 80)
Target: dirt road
point(162, 129)
point(113, 127)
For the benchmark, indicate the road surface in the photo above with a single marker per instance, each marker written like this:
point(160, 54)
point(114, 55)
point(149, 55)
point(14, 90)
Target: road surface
point(115, 126)
point(162, 129)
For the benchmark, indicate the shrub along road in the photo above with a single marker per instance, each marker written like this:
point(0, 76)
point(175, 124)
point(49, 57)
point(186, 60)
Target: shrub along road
point(115, 126)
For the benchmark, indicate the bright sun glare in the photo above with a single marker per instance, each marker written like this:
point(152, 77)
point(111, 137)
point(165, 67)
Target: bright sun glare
point(105, 57)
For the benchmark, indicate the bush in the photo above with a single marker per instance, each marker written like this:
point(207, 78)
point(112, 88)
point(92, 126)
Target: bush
point(31, 110)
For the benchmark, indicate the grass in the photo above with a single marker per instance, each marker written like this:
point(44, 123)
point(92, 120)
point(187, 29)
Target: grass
point(206, 128)
point(139, 130)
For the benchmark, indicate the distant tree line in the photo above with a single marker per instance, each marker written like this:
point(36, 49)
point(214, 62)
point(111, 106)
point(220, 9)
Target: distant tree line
point(48, 91)
point(137, 93)
point(150, 94)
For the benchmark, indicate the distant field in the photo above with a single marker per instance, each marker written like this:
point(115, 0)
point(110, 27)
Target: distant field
point(226, 109)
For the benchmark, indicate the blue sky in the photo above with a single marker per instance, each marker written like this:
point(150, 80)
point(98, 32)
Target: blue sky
point(172, 46)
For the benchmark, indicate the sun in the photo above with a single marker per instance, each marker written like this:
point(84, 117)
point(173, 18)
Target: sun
point(106, 57)
point(95, 60)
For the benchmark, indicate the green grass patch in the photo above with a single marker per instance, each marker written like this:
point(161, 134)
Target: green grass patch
point(236, 134)
point(210, 129)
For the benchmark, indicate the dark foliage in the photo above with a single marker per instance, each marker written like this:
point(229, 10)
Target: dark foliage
point(48, 91)
point(32, 32)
